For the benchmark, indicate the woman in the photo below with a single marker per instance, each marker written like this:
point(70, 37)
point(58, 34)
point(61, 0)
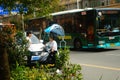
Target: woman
point(52, 44)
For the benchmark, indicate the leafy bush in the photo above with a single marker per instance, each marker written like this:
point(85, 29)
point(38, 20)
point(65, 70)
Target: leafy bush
point(62, 57)
point(18, 50)
point(70, 72)
point(62, 70)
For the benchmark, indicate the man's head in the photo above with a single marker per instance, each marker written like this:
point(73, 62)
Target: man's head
point(29, 34)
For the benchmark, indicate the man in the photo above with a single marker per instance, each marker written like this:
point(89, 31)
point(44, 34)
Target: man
point(29, 34)
point(28, 38)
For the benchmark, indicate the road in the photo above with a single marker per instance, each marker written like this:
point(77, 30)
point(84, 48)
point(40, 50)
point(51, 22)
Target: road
point(98, 64)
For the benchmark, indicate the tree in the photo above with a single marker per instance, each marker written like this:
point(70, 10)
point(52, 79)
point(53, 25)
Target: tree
point(41, 7)
point(6, 39)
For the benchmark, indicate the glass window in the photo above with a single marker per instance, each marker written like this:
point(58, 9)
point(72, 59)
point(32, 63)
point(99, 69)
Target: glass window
point(34, 39)
point(109, 22)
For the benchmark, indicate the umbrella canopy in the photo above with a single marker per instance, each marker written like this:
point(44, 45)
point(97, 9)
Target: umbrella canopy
point(55, 28)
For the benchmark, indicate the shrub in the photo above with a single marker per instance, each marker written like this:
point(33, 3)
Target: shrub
point(70, 72)
point(62, 57)
point(18, 50)
point(63, 70)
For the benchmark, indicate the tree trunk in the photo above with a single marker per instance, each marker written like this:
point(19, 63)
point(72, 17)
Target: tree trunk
point(4, 65)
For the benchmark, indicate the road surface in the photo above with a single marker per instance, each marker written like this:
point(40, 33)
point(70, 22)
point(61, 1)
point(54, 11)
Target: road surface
point(98, 64)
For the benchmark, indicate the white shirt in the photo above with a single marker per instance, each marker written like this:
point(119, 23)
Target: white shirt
point(29, 41)
point(53, 45)
point(28, 38)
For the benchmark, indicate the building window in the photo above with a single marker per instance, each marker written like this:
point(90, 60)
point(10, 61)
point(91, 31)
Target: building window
point(103, 3)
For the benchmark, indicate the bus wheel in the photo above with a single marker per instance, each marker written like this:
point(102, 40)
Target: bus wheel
point(77, 44)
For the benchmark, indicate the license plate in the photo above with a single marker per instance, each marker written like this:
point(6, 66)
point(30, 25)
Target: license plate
point(35, 57)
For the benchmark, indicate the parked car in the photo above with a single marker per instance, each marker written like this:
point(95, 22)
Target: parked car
point(37, 52)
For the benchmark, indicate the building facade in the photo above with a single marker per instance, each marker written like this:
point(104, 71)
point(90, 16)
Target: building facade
point(74, 4)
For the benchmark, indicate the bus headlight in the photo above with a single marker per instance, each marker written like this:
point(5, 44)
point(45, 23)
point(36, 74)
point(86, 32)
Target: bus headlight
point(101, 42)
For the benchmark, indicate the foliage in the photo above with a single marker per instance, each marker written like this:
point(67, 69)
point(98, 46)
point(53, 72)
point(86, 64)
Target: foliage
point(67, 71)
point(17, 21)
point(7, 35)
point(14, 42)
point(18, 50)
point(62, 57)
point(70, 72)
point(44, 72)
point(42, 7)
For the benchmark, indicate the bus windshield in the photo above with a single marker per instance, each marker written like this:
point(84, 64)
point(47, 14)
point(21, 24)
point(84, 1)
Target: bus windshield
point(109, 23)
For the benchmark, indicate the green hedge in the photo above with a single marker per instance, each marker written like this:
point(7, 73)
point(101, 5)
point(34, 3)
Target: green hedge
point(63, 70)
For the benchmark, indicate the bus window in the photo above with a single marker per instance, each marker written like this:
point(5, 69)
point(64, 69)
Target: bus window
point(90, 25)
point(79, 23)
point(90, 33)
point(109, 21)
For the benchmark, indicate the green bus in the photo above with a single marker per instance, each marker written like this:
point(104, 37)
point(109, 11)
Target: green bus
point(87, 28)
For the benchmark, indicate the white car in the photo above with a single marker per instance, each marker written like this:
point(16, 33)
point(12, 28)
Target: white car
point(36, 49)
